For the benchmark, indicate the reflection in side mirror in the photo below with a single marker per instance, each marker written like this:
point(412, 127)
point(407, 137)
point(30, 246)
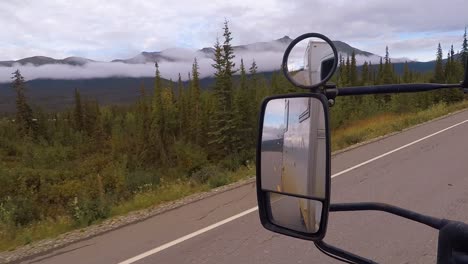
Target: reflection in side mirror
point(293, 166)
point(310, 60)
point(299, 214)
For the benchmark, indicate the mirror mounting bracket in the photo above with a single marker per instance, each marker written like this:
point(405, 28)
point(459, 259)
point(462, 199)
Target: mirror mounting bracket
point(340, 254)
point(331, 92)
point(453, 235)
point(349, 257)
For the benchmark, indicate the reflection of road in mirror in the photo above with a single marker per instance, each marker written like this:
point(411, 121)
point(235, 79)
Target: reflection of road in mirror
point(295, 213)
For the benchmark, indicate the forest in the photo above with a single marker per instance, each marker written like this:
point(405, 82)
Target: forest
point(76, 167)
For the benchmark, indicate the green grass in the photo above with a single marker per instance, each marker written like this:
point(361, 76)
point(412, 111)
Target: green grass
point(12, 237)
point(359, 131)
point(179, 189)
point(387, 123)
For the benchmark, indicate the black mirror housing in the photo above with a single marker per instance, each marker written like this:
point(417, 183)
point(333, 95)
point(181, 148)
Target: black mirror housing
point(267, 196)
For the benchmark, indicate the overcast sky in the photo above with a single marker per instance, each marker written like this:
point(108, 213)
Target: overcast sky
point(123, 28)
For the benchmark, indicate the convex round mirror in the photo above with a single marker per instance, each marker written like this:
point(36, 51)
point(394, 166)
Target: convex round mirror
point(310, 61)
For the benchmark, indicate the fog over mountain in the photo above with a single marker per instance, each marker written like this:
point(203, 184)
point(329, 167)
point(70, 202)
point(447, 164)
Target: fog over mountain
point(268, 56)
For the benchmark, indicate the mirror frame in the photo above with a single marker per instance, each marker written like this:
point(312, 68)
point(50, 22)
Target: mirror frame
point(262, 195)
point(284, 66)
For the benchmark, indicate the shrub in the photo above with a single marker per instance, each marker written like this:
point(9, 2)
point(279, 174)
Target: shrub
point(140, 180)
point(189, 157)
point(205, 174)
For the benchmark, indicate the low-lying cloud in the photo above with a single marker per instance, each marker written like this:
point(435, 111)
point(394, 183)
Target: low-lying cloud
point(266, 61)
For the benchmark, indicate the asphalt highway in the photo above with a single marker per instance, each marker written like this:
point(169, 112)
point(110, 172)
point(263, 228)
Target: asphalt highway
point(424, 169)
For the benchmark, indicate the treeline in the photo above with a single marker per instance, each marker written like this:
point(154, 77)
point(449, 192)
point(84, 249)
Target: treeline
point(79, 163)
point(353, 108)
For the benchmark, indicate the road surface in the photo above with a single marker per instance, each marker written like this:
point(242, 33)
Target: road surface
point(430, 176)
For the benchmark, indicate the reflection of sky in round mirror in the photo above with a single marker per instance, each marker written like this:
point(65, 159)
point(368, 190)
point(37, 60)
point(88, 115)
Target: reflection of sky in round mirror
point(297, 56)
point(273, 121)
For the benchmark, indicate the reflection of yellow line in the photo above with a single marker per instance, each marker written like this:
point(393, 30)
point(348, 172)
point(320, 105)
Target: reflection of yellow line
point(278, 188)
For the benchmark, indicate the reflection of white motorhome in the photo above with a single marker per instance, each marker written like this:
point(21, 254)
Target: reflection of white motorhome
point(304, 155)
point(316, 53)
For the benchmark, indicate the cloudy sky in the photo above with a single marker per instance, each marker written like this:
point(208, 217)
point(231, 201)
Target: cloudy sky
point(121, 28)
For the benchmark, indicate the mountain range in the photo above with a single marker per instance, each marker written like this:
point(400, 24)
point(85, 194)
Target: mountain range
point(57, 93)
point(181, 54)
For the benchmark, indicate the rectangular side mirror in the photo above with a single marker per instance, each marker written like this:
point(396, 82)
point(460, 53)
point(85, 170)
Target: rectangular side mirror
point(293, 165)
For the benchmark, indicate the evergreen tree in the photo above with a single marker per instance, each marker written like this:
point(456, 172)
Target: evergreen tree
point(78, 111)
point(24, 114)
point(224, 69)
point(156, 134)
point(380, 73)
point(195, 104)
point(242, 115)
point(406, 73)
point(464, 50)
point(228, 57)
point(372, 75)
point(341, 71)
point(365, 73)
point(353, 70)
point(257, 92)
point(387, 70)
point(347, 72)
point(254, 85)
point(439, 67)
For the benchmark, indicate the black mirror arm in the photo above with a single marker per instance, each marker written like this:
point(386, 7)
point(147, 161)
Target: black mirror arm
point(348, 257)
point(408, 214)
point(396, 88)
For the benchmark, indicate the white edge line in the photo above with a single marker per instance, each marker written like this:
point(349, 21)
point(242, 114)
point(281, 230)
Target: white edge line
point(189, 236)
point(232, 218)
point(395, 150)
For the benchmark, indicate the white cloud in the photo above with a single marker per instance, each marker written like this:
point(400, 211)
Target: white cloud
point(121, 28)
point(266, 61)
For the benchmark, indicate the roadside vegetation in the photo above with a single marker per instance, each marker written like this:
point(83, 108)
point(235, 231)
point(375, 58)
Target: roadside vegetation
point(65, 170)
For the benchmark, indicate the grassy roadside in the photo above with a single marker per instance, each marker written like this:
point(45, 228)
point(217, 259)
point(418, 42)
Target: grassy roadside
point(341, 138)
point(384, 124)
point(169, 191)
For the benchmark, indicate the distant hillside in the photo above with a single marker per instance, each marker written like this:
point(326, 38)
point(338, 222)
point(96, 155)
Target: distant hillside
point(58, 94)
point(414, 66)
point(42, 60)
point(54, 95)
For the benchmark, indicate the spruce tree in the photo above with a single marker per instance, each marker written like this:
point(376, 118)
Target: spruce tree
point(464, 50)
point(439, 67)
point(222, 132)
point(78, 111)
point(228, 57)
point(365, 73)
point(182, 107)
point(406, 73)
point(380, 72)
point(341, 71)
point(371, 73)
point(195, 104)
point(156, 133)
point(242, 115)
point(387, 70)
point(353, 70)
point(24, 114)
